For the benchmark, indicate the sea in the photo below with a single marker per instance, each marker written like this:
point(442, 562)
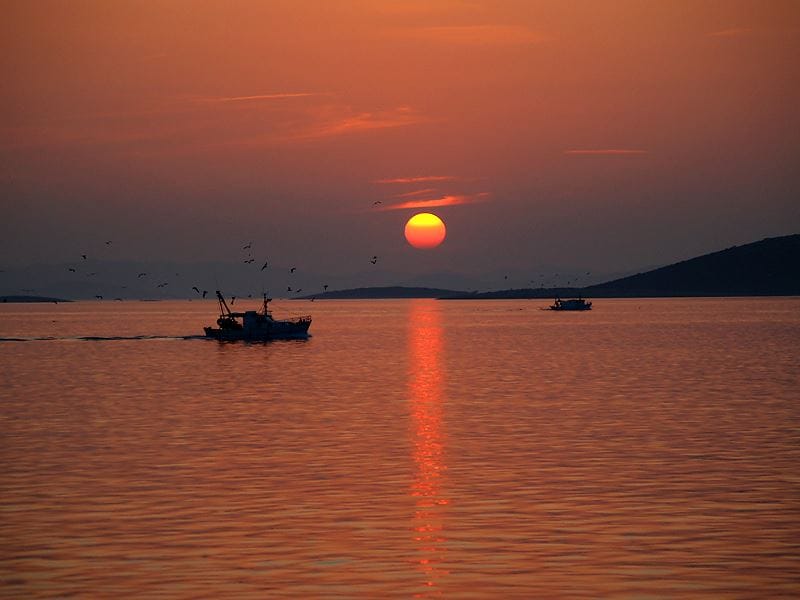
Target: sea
point(648, 448)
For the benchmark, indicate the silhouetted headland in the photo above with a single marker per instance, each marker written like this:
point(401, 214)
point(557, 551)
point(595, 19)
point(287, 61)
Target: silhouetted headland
point(770, 267)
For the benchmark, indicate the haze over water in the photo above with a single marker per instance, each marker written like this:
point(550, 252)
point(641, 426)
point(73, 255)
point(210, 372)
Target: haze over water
point(646, 449)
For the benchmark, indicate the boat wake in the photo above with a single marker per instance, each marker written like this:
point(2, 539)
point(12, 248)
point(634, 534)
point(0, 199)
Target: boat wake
point(98, 338)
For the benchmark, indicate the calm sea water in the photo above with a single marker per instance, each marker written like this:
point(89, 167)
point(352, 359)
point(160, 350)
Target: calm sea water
point(646, 449)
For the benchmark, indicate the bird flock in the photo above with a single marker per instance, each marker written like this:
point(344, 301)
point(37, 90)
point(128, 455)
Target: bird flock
point(247, 257)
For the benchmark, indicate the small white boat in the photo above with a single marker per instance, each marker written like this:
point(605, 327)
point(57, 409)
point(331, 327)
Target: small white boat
point(254, 325)
point(571, 304)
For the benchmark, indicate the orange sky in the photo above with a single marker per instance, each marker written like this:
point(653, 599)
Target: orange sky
point(611, 135)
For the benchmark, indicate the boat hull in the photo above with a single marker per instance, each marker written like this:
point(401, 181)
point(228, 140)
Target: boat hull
point(573, 304)
point(277, 331)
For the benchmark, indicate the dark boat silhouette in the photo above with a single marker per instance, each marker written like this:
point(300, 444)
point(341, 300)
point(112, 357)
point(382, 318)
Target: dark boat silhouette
point(254, 325)
point(571, 304)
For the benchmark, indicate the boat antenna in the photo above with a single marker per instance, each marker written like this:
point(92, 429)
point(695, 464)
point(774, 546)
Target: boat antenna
point(266, 302)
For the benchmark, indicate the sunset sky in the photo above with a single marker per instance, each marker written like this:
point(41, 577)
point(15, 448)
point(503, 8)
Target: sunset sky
point(605, 136)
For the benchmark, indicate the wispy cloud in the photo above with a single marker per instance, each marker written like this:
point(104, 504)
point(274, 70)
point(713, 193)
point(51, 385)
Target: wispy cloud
point(257, 97)
point(731, 32)
point(401, 116)
point(323, 122)
point(173, 129)
point(449, 200)
point(476, 34)
point(418, 179)
point(606, 152)
point(415, 193)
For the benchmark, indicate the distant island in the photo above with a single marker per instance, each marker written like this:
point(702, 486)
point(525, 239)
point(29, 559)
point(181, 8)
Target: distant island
point(770, 267)
point(28, 299)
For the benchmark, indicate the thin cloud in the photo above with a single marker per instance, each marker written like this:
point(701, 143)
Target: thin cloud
point(419, 179)
point(415, 193)
point(326, 122)
point(477, 34)
point(731, 32)
point(401, 116)
point(257, 97)
point(168, 130)
point(449, 200)
point(606, 152)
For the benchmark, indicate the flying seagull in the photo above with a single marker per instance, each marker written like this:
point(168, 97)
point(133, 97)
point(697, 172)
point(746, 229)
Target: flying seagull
point(99, 297)
point(141, 275)
point(292, 270)
point(247, 246)
point(374, 259)
point(71, 270)
point(108, 243)
point(194, 287)
point(265, 265)
point(83, 256)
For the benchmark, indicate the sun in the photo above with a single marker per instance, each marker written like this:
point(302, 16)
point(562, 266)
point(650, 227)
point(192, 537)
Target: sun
point(425, 230)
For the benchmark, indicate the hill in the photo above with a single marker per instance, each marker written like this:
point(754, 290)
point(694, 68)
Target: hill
point(770, 267)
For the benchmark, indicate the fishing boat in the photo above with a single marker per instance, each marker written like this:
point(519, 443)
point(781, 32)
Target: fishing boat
point(571, 304)
point(255, 325)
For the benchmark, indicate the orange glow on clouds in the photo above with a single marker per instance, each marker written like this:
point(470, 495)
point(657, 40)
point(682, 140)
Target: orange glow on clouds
point(449, 200)
point(420, 179)
point(425, 230)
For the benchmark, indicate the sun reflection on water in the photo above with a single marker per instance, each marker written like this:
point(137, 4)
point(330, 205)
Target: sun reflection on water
point(425, 394)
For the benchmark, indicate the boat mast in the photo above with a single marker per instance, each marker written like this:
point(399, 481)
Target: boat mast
point(223, 306)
